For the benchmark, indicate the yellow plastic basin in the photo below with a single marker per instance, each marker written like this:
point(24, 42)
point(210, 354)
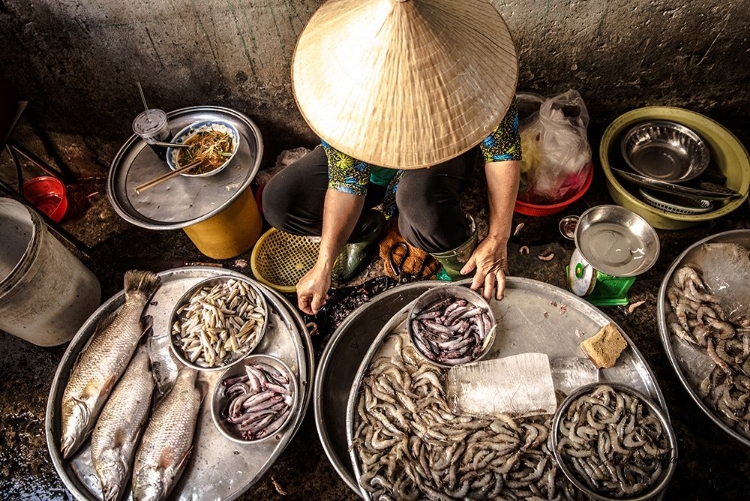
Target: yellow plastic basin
point(727, 153)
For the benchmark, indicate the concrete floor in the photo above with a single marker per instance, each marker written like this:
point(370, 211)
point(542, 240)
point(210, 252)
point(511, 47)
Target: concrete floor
point(711, 464)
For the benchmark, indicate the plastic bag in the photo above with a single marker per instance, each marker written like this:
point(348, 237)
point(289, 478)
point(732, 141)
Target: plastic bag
point(556, 152)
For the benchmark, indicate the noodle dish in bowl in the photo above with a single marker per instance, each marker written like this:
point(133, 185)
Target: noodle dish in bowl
point(213, 144)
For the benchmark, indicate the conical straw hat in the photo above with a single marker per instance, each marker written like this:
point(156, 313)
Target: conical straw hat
point(404, 83)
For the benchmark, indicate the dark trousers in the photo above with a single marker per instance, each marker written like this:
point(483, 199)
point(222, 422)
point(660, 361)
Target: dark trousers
point(429, 216)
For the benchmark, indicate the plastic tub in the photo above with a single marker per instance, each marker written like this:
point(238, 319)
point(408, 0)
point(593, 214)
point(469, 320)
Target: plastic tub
point(529, 209)
point(47, 193)
point(46, 293)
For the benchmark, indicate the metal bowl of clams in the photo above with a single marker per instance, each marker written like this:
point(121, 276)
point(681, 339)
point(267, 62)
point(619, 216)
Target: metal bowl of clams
point(665, 150)
point(614, 443)
point(451, 325)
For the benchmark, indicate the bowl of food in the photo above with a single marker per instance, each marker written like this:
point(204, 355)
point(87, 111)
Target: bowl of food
point(665, 150)
point(212, 145)
point(614, 443)
point(451, 325)
point(254, 400)
point(218, 322)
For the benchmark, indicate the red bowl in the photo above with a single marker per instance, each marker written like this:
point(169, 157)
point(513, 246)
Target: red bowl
point(47, 193)
point(546, 210)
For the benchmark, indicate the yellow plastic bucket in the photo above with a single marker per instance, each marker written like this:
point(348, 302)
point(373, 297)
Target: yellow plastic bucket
point(231, 232)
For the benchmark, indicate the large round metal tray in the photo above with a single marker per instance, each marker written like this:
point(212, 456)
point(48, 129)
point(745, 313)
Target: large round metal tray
point(218, 468)
point(182, 201)
point(534, 316)
point(687, 377)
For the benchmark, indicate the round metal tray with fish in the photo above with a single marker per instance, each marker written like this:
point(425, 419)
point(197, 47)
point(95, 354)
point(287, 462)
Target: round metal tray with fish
point(533, 317)
point(693, 365)
point(218, 468)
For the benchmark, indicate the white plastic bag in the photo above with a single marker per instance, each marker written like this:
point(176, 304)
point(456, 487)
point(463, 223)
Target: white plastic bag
point(556, 151)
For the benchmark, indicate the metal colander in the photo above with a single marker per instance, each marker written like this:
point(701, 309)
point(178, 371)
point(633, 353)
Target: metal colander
point(676, 204)
point(280, 259)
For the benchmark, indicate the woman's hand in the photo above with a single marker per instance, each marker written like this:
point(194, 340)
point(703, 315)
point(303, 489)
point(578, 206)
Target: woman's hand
point(490, 259)
point(312, 289)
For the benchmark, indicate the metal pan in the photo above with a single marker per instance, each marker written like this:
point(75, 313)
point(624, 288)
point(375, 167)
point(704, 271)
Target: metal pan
point(688, 378)
point(533, 317)
point(207, 475)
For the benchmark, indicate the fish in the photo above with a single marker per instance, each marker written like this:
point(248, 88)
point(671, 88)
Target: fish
point(120, 424)
point(102, 363)
point(167, 443)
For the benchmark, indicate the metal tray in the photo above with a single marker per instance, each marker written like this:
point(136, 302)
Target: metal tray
point(532, 307)
point(663, 308)
point(208, 475)
point(533, 317)
point(182, 201)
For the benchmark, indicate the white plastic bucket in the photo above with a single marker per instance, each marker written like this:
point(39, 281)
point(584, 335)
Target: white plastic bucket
point(46, 293)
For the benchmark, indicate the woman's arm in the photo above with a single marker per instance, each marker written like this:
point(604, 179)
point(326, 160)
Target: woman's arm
point(490, 258)
point(340, 214)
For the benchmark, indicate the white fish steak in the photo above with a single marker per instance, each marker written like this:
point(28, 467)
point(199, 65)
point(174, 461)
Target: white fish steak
point(168, 440)
point(123, 418)
point(102, 363)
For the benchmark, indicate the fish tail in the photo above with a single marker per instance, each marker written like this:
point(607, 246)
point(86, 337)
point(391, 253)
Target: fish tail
point(144, 282)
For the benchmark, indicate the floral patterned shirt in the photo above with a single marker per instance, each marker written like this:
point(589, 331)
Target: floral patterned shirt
point(349, 175)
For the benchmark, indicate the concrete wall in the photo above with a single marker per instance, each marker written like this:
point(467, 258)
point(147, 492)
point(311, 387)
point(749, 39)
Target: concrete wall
point(77, 61)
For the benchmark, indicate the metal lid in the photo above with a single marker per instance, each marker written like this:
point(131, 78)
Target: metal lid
point(181, 201)
point(617, 241)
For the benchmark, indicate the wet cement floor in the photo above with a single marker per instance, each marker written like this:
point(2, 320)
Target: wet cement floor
point(711, 465)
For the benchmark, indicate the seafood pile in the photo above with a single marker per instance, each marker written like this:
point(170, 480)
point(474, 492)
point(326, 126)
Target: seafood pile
point(612, 443)
point(698, 318)
point(259, 402)
point(410, 445)
point(118, 416)
point(450, 331)
point(219, 323)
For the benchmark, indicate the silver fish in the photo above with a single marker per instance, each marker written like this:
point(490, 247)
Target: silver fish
point(168, 440)
point(103, 362)
point(120, 424)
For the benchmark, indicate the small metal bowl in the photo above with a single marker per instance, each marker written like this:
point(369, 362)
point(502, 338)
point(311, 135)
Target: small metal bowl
point(233, 356)
point(665, 150)
point(454, 292)
point(617, 241)
point(669, 461)
point(567, 226)
point(190, 131)
point(220, 399)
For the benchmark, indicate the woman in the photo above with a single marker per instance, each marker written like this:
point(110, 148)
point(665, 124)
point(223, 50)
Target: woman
point(403, 91)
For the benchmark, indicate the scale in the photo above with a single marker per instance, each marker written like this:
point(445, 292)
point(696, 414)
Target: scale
point(613, 246)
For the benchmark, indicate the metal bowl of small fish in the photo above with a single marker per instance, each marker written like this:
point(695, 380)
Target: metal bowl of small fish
point(451, 325)
point(614, 443)
point(254, 400)
point(665, 150)
point(218, 322)
point(212, 145)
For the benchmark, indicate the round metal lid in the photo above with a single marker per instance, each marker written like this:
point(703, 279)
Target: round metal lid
point(181, 201)
point(617, 241)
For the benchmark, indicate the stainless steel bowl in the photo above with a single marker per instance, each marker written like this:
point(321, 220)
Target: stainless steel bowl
point(664, 150)
point(669, 463)
point(234, 357)
point(455, 292)
point(617, 241)
point(219, 400)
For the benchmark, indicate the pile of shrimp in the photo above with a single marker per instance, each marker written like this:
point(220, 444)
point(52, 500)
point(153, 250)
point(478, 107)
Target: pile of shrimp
point(698, 318)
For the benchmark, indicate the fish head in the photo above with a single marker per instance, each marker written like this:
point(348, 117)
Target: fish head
point(112, 472)
point(76, 414)
point(149, 484)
